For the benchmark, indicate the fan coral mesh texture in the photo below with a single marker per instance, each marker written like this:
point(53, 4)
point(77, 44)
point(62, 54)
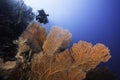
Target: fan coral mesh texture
point(31, 39)
point(52, 64)
point(35, 35)
point(56, 38)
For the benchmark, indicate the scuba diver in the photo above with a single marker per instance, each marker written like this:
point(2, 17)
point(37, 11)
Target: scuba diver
point(42, 16)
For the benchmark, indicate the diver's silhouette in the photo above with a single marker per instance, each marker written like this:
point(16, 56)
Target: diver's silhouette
point(42, 16)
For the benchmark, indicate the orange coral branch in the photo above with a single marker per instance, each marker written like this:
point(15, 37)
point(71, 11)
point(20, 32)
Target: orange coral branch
point(55, 40)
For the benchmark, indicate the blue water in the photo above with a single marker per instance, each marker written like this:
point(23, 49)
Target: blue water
point(95, 21)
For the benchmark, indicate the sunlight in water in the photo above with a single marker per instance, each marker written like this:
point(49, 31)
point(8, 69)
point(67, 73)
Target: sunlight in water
point(40, 4)
point(57, 9)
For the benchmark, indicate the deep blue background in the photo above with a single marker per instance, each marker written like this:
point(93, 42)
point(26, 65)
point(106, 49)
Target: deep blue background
point(95, 21)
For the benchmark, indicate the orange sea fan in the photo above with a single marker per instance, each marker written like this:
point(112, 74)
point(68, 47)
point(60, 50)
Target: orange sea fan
point(50, 63)
point(55, 40)
point(70, 64)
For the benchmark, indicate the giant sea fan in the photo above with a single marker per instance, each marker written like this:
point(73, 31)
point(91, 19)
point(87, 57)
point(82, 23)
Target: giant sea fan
point(50, 63)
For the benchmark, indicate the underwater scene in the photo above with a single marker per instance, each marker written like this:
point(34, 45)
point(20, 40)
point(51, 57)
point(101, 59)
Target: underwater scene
point(59, 39)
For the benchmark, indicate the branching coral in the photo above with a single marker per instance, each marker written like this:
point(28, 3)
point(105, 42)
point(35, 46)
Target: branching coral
point(35, 35)
point(57, 38)
point(89, 56)
point(71, 64)
point(31, 39)
point(52, 64)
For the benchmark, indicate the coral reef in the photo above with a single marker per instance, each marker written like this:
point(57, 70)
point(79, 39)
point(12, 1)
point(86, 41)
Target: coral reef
point(43, 56)
point(15, 15)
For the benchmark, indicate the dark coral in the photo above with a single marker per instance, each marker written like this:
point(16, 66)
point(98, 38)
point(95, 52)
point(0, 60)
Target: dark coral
point(100, 73)
point(14, 18)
